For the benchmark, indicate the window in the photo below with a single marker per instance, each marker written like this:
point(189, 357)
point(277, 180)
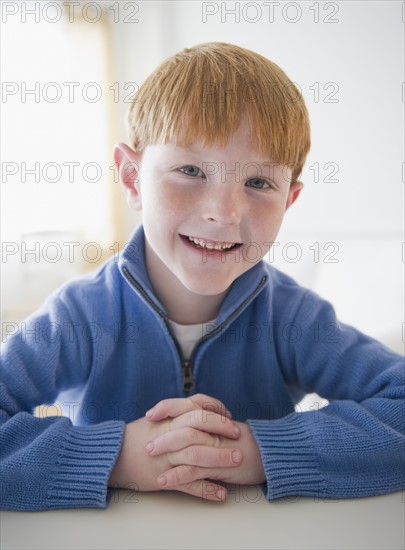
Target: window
point(59, 202)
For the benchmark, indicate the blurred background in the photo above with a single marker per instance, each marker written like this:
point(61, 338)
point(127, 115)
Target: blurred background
point(69, 70)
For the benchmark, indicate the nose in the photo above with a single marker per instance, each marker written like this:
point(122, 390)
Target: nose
point(222, 203)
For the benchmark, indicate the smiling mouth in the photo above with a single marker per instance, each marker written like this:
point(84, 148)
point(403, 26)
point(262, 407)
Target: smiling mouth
point(211, 245)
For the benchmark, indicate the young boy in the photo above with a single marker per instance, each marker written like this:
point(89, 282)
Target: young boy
point(181, 363)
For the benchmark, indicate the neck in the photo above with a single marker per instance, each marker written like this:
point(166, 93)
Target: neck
point(192, 309)
point(182, 305)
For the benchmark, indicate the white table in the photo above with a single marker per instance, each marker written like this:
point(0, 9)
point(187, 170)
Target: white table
point(246, 520)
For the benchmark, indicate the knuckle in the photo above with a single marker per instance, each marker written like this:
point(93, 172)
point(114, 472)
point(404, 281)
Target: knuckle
point(192, 435)
point(211, 405)
point(184, 474)
point(226, 456)
point(177, 475)
point(196, 416)
point(171, 457)
point(193, 454)
point(162, 442)
point(161, 405)
point(194, 487)
point(198, 396)
point(166, 425)
point(221, 458)
point(190, 471)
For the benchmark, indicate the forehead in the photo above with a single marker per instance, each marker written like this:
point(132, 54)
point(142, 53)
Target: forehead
point(239, 142)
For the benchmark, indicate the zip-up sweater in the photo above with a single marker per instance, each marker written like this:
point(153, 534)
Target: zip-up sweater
point(102, 349)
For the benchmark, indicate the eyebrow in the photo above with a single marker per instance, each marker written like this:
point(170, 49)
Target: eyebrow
point(254, 160)
point(261, 162)
point(189, 149)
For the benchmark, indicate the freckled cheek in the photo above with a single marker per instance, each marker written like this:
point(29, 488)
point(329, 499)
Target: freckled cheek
point(267, 222)
point(169, 207)
point(155, 196)
point(179, 199)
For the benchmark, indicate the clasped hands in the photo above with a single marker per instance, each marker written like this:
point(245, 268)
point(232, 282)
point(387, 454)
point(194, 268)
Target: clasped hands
point(187, 444)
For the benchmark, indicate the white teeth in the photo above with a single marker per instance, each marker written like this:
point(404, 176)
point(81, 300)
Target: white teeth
point(210, 245)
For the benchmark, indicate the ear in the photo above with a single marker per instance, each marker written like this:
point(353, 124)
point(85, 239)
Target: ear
point(293, 193)
point(127, 163)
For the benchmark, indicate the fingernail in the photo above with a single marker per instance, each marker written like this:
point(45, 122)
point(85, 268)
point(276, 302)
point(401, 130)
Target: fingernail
point(220, 493)
point(236, 430)
point(149, 447)
point(236, 456)
point(162, 480)
point(149, 414)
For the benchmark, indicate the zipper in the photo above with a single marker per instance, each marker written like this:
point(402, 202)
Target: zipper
point(188, 382)
point(187, 364)
point(144, 294)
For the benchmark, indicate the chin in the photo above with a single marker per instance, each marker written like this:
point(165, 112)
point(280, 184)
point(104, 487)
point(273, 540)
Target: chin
point(206, 288)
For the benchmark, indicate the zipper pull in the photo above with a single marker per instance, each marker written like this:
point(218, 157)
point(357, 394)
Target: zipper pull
point(188, 382)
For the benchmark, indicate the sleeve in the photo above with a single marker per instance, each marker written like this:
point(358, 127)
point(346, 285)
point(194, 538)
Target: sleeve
point(48, 462)
point(353, 447)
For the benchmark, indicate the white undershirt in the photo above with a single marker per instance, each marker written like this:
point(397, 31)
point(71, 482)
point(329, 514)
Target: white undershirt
point(188, 335)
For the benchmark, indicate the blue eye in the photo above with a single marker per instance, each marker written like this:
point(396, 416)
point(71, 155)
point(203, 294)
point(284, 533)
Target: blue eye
point(191, 171)
point(257, 183)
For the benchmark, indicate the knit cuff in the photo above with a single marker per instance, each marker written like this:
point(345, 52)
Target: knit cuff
point(288, 457)
point(84, 464)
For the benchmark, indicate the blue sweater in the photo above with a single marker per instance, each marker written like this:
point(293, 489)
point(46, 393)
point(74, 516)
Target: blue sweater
point(101, 347)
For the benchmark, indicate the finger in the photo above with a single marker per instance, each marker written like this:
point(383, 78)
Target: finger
point(176, 440)
point(184, 474)
point(207, 490)
point(207, 421)
point(210, 404)
point(177, 406)
point(206, 457)
point(170, 408)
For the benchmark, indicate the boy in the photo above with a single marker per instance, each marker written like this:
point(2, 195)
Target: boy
point(168, 385)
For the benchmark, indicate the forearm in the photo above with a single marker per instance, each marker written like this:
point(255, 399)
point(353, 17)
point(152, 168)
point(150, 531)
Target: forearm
point(341, 451)
point(48, 463)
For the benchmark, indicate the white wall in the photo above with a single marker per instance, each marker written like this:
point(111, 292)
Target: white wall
point(357, 219)
point(357, 61)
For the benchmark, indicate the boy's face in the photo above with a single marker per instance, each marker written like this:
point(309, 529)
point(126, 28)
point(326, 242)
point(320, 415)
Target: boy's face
point(209, 213)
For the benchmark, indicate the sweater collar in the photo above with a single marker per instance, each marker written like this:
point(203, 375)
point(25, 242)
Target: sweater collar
point(243, 290)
